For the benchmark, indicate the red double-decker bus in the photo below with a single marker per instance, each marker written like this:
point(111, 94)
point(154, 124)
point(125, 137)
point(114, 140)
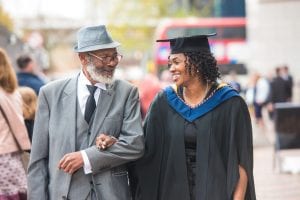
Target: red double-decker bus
point(228, 46)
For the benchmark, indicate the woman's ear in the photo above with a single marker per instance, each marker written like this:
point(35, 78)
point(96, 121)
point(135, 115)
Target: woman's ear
point(195, 70)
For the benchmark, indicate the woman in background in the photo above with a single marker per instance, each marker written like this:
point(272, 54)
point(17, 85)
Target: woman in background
point(12, 173)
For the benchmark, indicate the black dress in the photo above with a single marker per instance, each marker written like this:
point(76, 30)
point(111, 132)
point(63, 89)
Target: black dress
point(223, 142)
point(190, 142)
point(190, 138)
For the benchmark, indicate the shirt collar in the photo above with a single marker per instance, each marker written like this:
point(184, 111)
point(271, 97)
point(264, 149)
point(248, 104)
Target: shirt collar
point(84, 81)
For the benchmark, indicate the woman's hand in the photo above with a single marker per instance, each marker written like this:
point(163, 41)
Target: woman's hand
point(241, 187)
point(104, 141)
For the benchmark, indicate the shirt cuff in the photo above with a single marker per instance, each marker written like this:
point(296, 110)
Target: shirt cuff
point(87, 168)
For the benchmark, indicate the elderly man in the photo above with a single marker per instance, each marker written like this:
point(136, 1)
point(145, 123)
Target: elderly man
point(65, 163)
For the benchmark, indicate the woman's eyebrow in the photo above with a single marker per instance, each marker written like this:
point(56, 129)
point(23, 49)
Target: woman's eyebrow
point(174, 58)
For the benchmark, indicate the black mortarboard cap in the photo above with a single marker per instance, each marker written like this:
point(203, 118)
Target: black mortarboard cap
point(188, 44)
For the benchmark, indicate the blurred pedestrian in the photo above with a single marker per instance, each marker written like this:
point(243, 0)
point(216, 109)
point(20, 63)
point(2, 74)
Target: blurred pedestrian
point(29, 107)
point(165, 78)
point(198, 136)
point(287, 77)
point(13, 134)
point(149, 87)
point(234, 82)
point(279, 91)
point(261, 97)
point(26, 75)
point(65, 162)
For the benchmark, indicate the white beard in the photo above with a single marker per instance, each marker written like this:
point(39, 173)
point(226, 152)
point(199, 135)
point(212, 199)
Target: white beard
point(96, 75)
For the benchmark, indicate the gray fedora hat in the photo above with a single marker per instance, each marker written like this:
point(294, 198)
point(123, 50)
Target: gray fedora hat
point(94, 38)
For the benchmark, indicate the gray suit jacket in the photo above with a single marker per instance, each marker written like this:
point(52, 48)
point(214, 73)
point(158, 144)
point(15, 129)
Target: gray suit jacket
point(118, 113)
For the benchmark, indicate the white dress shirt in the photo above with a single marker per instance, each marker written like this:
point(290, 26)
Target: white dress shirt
point(82, 95)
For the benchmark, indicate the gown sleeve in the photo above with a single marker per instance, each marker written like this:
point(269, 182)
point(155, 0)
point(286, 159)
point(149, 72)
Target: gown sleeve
point(145, 172)
point(241, 150)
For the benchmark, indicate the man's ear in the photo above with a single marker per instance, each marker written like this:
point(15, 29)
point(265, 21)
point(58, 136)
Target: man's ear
point(83, 58)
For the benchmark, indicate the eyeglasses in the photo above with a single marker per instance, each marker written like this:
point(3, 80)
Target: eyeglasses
point(107, 59)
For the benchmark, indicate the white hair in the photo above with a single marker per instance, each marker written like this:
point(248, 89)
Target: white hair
point(96, 74)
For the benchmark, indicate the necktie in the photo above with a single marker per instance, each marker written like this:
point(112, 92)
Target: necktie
point(90, 103)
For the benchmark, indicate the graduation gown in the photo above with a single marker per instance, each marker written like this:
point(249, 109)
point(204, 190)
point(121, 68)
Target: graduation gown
point(224, 141)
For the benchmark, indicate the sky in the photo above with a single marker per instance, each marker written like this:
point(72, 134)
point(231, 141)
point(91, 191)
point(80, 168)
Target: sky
point(74, 9)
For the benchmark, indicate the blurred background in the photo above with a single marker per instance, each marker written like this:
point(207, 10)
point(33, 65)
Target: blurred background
point(254, 39)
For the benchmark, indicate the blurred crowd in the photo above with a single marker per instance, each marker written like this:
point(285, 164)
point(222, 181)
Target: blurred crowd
point(262, 92)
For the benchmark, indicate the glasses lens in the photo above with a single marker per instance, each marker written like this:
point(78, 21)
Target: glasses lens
point(115, 58)
point(107, 59)
point(96, 59)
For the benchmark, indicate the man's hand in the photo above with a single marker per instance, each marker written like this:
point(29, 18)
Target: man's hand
point(71, 162)
point(104, 141)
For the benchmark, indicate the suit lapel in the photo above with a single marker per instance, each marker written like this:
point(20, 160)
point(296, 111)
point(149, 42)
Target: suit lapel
point(104, 102)
point(69, 100)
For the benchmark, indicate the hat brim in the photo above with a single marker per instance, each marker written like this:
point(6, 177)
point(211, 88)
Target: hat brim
point(96, 47)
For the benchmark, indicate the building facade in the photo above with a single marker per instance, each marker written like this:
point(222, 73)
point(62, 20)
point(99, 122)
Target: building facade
point(273, 37)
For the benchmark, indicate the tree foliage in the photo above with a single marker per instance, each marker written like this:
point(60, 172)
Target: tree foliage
point(5, 19)
point(133, 22)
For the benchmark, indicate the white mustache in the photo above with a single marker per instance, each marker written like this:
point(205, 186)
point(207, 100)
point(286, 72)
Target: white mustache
point(99, 75)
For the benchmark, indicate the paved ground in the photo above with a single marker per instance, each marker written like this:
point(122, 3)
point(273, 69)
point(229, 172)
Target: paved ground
point(270, 183)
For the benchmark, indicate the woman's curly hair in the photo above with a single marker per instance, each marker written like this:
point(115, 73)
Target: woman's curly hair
point(204, 64)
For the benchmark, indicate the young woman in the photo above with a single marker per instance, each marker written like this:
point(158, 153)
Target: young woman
point(12, 131)
point(198, 134)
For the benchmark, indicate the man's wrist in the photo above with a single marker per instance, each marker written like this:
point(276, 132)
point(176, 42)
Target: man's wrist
point(87, 168)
